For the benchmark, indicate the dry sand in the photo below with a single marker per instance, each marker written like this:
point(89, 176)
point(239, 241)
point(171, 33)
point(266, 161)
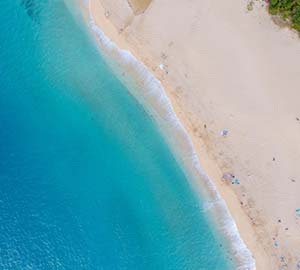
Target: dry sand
point(227, 68)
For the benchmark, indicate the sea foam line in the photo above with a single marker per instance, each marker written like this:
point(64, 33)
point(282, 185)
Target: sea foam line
point(148, 90)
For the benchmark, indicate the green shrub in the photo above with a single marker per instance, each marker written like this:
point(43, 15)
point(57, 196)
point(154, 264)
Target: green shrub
point(288, 10)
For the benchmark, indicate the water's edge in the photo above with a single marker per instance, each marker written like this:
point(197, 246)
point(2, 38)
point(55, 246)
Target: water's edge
point(148, 90)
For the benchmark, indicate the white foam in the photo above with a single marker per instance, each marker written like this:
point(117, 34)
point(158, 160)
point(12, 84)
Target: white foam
point(147, 89)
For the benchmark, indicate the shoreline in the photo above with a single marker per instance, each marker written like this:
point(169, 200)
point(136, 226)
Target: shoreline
point(160, 107)
point(255, 215)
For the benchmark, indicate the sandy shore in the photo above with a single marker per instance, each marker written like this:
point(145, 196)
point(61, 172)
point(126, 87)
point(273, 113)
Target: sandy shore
point(227, 68)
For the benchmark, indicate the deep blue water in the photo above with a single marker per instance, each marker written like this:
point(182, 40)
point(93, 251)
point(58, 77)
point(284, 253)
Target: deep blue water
point(86, 180)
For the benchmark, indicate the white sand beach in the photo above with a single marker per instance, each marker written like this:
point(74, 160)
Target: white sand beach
point(226, 68)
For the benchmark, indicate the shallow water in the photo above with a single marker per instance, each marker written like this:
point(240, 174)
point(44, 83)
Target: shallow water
point(87, 181)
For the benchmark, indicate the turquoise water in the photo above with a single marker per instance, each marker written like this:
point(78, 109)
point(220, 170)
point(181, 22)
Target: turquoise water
point(87, 181)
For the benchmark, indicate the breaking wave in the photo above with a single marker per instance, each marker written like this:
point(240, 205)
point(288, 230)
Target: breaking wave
point(148, 90)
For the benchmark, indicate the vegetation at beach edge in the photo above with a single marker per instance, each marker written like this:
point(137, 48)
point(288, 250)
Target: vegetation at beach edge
point(289, 10)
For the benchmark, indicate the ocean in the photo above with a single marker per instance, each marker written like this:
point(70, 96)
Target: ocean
point(87, 180)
